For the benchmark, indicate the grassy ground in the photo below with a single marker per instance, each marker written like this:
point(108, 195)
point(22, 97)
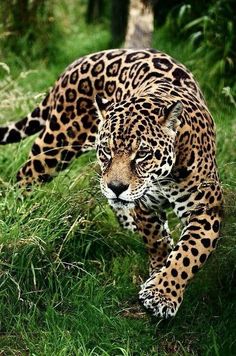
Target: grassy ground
point(69, 275)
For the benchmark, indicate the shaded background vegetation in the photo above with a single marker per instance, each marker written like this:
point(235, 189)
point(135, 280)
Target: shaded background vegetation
point(69, 276)
point(32, 28)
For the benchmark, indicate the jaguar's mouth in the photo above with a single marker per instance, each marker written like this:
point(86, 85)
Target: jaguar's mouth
point(121, 204)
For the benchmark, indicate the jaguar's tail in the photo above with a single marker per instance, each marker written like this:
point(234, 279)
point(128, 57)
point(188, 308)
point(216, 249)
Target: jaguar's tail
point(31, 124)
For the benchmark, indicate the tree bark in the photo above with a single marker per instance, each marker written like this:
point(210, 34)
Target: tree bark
point(140, 25)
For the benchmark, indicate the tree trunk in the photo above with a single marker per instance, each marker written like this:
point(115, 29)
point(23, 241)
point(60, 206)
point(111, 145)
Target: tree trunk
point(140, 25)
point(119, 17)
point(94, 10)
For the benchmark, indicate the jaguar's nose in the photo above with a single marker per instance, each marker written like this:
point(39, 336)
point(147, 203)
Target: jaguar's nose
point(117, 187)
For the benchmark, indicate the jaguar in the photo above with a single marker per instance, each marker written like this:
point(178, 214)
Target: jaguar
point(154, 136)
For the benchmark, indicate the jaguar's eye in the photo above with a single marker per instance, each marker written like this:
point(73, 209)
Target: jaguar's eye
point(142, 153)
point(107, 150)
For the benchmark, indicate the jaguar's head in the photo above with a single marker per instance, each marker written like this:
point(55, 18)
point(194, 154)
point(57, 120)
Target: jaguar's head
point(135, 146)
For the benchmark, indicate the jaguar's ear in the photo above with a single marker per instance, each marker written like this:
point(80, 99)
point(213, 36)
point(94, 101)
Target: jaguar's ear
point(101, 105)
point(172, 114)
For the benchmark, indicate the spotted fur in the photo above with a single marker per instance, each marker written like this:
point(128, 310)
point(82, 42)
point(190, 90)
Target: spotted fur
point(145, 115)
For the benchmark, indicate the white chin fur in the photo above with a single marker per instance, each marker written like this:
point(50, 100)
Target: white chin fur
point(121, 204)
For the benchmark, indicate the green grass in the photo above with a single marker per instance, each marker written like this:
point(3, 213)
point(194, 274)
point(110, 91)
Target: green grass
point(70, 275)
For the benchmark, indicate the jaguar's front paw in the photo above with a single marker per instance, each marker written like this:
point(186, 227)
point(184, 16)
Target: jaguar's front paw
point(157, 302)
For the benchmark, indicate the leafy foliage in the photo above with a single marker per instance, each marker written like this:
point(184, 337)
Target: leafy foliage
point(211, 31)
point(29, 27)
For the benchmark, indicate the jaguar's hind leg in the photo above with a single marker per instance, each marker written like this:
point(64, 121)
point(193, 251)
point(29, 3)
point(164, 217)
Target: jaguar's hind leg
point(57, 145)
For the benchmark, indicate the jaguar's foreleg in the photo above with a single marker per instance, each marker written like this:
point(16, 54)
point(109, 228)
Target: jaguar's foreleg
point(163, 292)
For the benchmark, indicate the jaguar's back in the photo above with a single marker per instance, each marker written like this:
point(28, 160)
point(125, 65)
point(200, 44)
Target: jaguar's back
point(67, 117)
